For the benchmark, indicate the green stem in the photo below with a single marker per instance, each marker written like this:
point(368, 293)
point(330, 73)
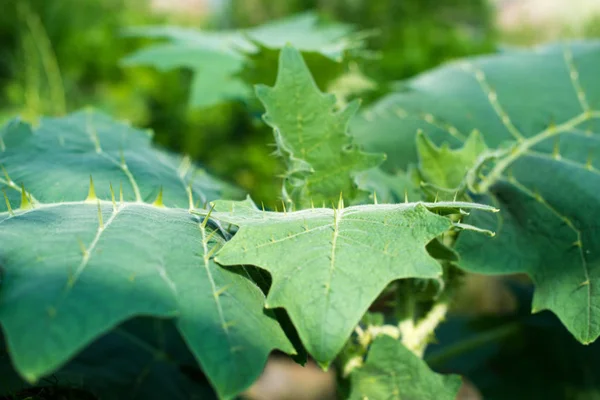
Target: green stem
point(416, 336)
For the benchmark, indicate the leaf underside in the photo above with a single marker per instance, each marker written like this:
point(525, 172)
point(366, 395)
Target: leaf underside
point(543, 106)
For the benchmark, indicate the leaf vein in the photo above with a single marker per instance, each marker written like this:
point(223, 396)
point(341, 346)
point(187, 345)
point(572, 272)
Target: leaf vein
point(574, 78)
point(215, 293)
point(492, 98)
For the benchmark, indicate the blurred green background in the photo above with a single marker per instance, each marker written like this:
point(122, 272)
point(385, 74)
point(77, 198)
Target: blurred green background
point(58, 56)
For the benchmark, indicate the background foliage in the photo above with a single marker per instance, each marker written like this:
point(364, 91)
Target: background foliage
point(53, 63)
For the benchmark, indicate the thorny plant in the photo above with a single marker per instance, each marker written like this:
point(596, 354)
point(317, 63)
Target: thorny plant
point(357, 269)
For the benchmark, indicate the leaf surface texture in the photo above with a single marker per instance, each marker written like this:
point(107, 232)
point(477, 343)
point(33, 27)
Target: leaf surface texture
point(329, 265)
point(539, 113)
point(73, 269)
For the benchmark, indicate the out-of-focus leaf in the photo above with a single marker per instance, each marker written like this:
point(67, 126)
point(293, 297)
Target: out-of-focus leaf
point(218, 58)
point(394, 372)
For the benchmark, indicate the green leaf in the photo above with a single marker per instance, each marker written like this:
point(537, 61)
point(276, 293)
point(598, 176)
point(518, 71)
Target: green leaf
point(217, 58)
point(539, 111)
point(447, 168)
point(306, 33)
point(69, 276)
point(394, 372)
point(311, 135)
point(329, 265)
point(141, 359)
point(215, 71)
point(54, 162)
point(74, 269)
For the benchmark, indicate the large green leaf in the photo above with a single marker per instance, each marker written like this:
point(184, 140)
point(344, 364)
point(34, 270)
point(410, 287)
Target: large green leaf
point(74, 269)
point(329, 265)
point(394, 372)
point(218, 57)
point(54, 162)
point(540, 111)
point(67, 278)
point(311, 135)
point(142, 359)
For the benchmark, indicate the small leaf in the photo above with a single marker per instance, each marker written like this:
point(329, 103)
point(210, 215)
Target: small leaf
point(312, 135)
point(444, 167)
point(394, 372)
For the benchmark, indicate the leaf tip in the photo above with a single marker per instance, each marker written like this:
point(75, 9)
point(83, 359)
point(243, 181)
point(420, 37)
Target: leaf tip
point(324, 365)
point(30, 377)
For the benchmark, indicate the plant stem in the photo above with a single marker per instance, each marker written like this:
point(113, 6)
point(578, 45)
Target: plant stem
point(416, 336)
